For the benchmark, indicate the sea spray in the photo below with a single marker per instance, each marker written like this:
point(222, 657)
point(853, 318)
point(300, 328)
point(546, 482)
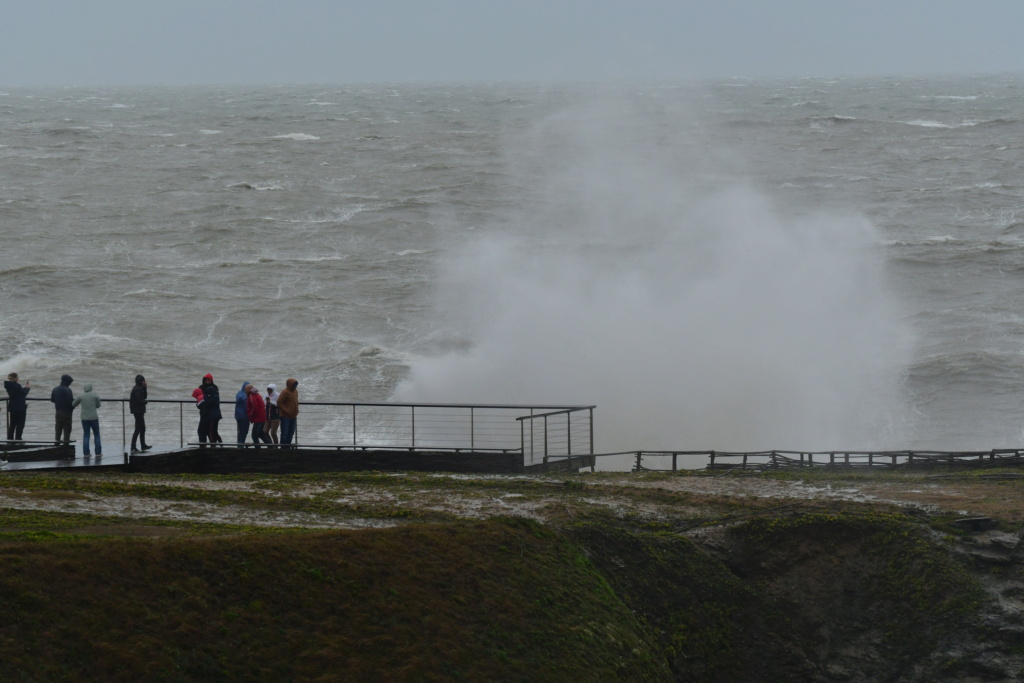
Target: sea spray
point(650, 278)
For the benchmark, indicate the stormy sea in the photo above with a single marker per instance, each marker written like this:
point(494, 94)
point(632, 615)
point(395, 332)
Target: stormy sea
point(817, 264)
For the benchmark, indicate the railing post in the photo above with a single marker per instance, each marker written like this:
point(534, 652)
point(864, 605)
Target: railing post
point(545, 437)
point(639, 456)
point(353, 425)
point(522, 440)
point(674, 457)
point(181, 425)
point(412, 411)
point(568, 437)
point(124, 436)
point(591, 431)
point(472, 429)
point(533, 446)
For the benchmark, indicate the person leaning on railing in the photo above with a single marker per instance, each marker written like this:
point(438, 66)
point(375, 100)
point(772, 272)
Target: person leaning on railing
point(288, 409)
point(63, 400)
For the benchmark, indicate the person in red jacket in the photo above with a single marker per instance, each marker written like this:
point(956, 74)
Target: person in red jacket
point(256, 411)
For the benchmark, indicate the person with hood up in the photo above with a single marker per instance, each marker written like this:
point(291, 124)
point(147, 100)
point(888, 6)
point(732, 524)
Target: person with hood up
point(209, 411)
point(288, 409)
point(240, 413)
point(90, 403)
point(273, 419)
point(63, 402)
point(137, 404)
point(256, 412)
point(17, 406)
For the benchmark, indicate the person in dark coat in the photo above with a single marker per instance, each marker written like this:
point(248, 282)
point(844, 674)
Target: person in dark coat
point(209, 411)
point(17, 406)
point(137, 404)
point(62, 398)
point(240, 413)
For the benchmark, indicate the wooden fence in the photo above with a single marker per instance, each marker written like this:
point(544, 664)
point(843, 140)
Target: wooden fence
point(670, 461)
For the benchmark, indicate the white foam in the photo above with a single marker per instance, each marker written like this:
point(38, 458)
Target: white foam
point(18, 363)
point(302, 259)
point(934, 239)
point(92, 337)
point(158, 292)
point(925, 123)
point(210, 132)
point(296, 136)
point(336, 215)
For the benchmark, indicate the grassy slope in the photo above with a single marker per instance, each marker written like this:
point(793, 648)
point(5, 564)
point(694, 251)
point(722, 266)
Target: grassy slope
point(781, 593)
point(500, 600)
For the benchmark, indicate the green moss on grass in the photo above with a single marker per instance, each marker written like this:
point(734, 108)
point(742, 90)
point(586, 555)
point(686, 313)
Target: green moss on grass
point(499, 600)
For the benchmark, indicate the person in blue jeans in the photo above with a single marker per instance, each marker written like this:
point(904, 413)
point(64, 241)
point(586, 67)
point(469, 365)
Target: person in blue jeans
point(288, 409)
point(90, 403)
point(241, 413)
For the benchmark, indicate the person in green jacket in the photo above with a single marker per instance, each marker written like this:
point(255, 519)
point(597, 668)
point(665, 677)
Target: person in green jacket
point(90, 403)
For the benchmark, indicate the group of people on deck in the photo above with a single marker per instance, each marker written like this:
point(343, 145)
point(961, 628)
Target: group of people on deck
point(252, 412)
point(64, 401)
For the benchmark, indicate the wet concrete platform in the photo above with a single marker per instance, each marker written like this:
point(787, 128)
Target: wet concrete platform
point(114, 459)
point(231, 459)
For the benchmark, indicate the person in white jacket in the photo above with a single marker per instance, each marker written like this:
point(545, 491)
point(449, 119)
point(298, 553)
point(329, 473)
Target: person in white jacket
point(90, 403)
point(273, 418)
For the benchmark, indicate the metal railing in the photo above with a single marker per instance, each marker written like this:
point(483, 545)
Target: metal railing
point(538, 432)
point(552, 434)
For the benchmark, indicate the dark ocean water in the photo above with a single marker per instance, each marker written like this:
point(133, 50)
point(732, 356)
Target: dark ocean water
point(807, 264)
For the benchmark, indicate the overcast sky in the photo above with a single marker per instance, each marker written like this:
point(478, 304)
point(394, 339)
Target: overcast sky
point(117, 42)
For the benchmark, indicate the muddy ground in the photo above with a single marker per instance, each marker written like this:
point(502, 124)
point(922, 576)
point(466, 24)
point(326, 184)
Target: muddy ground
point(361, 500)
